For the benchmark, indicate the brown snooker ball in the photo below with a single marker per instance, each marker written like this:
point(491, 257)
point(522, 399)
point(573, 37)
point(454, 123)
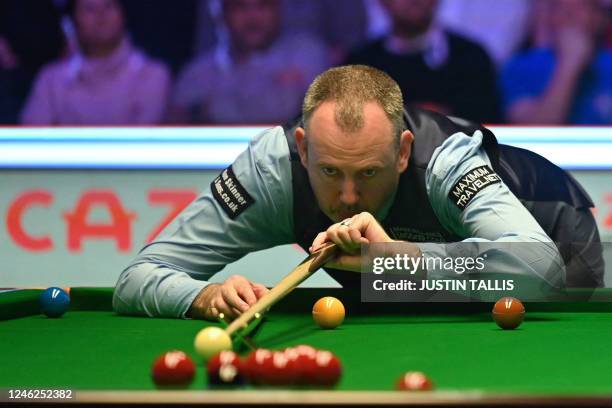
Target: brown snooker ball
point(328, 312)
point(508, 313)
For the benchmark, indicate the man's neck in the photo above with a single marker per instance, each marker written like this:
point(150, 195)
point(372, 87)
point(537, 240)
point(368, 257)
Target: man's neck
point(241, 54)
point(101, 51)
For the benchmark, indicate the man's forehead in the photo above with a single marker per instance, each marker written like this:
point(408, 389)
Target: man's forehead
point(372, 144)
point(326, 122)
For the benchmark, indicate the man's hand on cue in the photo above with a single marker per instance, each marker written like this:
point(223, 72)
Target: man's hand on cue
point(233, 297)
point(349, 235)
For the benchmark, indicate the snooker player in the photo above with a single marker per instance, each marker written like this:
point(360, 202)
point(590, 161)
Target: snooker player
point(355, 168)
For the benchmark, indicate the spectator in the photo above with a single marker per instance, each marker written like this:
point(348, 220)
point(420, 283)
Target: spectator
point(341, 24)
point(500, 29)
point(108, 82)
point(566, 76)
point(30, 36)
point(433, 67)
point(228, 84)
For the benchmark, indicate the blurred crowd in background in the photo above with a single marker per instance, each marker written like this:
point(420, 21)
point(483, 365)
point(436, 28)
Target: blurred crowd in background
point(148, 62)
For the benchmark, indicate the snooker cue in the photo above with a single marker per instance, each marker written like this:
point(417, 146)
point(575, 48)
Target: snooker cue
point(246, 340)
point(287, 284)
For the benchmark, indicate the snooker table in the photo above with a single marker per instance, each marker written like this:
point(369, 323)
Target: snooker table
point(559, 356)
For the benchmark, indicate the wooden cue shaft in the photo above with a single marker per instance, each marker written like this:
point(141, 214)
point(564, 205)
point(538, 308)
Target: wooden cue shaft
point(245, 339)
point(286, 285)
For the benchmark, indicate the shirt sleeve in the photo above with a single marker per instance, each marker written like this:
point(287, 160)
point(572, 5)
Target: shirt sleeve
point(492, 219)
point(167, 274)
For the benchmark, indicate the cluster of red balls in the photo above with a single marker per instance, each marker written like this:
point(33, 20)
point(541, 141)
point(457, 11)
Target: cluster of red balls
point(302, 365)
point(294, 366)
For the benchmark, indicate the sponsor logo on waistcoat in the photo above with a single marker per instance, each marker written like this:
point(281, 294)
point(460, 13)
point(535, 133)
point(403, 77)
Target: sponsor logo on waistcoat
point(470, 184)
point(230, 194)
point(415, 235)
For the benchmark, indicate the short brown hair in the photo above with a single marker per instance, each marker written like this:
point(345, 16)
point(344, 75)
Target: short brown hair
point(351, 86)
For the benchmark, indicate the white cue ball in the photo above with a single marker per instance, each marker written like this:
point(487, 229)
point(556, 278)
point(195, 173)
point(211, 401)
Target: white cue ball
point(210, 341)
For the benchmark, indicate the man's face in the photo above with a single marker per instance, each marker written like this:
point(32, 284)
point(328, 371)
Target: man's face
point(351, 172)
point(99, 22)
point(411, 16)
point(253, 24)
point(584, 14)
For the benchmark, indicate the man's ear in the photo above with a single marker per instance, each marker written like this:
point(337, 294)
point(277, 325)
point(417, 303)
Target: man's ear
point(302, 145)
point(405, 148)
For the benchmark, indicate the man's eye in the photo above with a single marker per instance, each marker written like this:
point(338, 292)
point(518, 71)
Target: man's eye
point(329, 171)
point(369, 172)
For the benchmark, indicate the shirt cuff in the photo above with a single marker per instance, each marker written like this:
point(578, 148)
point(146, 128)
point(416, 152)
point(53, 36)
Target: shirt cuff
point(186, 294)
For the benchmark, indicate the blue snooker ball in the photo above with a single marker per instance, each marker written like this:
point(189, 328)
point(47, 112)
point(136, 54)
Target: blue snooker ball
point(54, 302)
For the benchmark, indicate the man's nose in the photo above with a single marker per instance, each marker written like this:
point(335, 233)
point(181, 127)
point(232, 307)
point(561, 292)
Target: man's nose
point(349, 194)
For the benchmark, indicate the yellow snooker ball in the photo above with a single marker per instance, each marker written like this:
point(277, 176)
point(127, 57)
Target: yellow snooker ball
point(328, 312)
point(210, 341)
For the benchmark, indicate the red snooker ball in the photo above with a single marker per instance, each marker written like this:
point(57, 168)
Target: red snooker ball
point(305, 350)
point(302, 364)
point(508, 313)
point(254, 365)
point(296, 361)
point(276, 370)
point(173, 369)
point(328, 369)
point(226, 369)
point(414, 381)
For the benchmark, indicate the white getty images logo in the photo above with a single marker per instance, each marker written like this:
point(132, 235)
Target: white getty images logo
point(55, 293)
